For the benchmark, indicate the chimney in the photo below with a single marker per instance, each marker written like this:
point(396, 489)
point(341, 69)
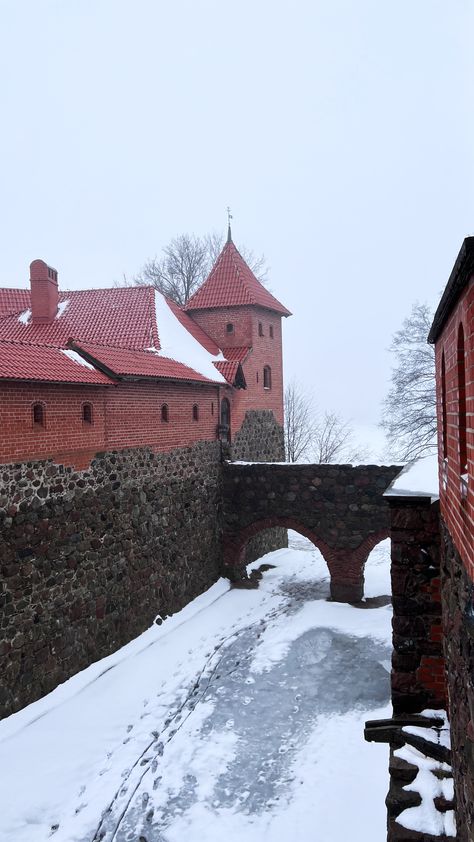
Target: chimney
point(44, 292)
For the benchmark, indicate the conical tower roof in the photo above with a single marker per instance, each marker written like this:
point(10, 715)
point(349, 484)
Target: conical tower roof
point(232, 283)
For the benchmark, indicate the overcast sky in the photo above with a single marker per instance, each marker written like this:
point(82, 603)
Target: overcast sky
point(339, 131)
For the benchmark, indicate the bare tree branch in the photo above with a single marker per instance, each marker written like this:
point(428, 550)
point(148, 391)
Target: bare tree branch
point(409, 410)
point(186, 263)
point(299, 424)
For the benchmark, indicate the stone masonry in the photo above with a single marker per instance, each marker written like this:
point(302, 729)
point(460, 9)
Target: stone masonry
point(340, 508)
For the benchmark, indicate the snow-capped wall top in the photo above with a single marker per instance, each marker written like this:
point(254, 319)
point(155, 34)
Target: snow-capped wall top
point(418, 479)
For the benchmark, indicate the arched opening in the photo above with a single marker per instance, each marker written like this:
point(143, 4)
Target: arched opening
point(195, 412)
point(87, 413)
point(225, 420)
point(165, 413)
point(39, 415)
point(377, 580)
point(267, 377)
point(346, 566)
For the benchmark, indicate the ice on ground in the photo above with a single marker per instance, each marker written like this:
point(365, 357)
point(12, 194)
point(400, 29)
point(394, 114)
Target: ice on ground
point(178, 735)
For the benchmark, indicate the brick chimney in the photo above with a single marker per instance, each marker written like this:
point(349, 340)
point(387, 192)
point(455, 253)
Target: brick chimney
point(44, 292)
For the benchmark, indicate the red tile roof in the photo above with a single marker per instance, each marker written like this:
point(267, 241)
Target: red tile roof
point(13, 301)
point(238, 354)
point(19, 361)
point(229, 370)
point(121, 316)
point(133, 363)
point(232, 283)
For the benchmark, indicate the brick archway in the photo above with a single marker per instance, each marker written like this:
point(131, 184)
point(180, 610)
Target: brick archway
point(339, 508)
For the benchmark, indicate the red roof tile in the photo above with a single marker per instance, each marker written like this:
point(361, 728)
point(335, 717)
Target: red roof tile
point(232, 283)
point(13, 301)
point(228, 369)
point(238, 354)
point(194, 329)
point(35, 362)
point(134, 363)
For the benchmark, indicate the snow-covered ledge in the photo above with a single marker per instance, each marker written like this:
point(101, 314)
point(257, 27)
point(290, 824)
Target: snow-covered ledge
point(417, 479)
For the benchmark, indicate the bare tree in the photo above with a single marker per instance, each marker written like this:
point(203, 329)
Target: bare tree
point(409, 410)
point(312, 437)
point(185, 264)
point(299, 424)
point(334, 441)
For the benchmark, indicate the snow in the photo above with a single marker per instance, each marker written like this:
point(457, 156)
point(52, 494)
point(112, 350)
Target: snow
point(62, 306)
point(178, 344)
point(240, 716)
point(417, 479)
point(24, 317)
point(426, 818)
point(76, 358)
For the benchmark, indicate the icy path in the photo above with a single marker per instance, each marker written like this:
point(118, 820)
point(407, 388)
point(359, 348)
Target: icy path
point(242, 715)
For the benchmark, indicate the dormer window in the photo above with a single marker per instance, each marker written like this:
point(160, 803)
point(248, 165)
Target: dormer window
point(267, 377)
point(229, 328)
point(260, 329)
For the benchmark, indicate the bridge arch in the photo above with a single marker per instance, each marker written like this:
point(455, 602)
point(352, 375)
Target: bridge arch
point(339, 508)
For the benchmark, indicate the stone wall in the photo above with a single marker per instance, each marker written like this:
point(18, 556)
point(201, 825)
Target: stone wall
point(417, 662)
point(340, 508)
point(458, 616)
point(260, 439)
point(88, 559)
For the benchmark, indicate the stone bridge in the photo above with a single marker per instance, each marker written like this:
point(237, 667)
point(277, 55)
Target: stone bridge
point(340, 508)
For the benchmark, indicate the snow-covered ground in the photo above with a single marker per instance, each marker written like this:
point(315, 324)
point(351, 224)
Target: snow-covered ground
point(241, 717)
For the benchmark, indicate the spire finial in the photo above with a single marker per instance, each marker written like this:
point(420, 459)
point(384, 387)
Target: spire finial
point(229, 232)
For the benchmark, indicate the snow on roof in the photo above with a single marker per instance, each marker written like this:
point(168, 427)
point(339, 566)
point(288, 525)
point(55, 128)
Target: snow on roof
point(178, 344)
point(417, 479)
point(75, 357)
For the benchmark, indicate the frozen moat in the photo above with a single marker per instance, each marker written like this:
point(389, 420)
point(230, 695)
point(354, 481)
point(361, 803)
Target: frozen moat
point(257, 708)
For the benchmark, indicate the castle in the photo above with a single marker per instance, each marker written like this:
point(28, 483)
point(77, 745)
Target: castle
point(118, 408)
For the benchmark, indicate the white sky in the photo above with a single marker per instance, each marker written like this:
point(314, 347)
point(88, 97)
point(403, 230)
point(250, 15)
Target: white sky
point(340, 132)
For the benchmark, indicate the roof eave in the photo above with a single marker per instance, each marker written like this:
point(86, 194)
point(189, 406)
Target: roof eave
point(460, 276)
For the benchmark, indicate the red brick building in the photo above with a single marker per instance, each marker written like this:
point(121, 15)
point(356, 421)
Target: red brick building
point(452, 333)
point(105, 369)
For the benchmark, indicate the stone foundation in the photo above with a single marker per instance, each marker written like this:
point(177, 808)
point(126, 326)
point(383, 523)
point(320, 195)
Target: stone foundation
point(458, 615)
point(88, 559)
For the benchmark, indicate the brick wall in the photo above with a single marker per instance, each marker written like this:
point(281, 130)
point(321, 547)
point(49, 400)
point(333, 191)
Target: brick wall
point(266, 350)
point(458, 513)
point(125, 415)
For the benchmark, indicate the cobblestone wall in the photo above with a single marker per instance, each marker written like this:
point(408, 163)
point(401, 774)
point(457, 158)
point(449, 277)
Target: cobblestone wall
point(87, 559)
point(418, 680)
point(458, 616)
point(260, 439)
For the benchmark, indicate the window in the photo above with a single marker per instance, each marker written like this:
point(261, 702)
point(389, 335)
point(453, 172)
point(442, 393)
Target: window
point(165, 413)
point(87, 413)
point(271, 331)
point(212, 407)
point(38, 414)
point(257, 376)
point(260, 329)
point(229, 327)
point(195, 412)
point(462, 403)
point(267, 377)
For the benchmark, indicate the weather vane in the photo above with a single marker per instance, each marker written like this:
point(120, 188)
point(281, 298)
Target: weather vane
point(229, 217)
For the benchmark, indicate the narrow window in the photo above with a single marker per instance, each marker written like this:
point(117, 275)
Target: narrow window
point(212, 407)
point(38, 414)
point(260, 329)
point(257, 376)
point(444, 408)
point(87, 413)
point(229, 327)
point(165, 413)
point(267, 377)
point(195, 412)
point(271, 331)
point(462, 402)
